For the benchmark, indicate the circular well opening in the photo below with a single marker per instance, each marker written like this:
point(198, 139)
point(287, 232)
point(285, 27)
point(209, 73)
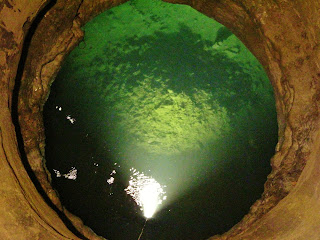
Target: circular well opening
point(167, 91)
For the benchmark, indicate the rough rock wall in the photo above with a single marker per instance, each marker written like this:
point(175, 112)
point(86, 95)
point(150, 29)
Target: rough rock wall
point(24, 213)
point(282, 34)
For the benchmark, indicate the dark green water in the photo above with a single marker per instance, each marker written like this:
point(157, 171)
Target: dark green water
point(171, 93)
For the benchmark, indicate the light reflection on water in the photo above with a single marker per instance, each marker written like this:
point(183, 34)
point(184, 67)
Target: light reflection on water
point(110, 211)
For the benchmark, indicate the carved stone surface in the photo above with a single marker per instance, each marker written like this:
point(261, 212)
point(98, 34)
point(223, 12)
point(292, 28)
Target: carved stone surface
point(283, 35)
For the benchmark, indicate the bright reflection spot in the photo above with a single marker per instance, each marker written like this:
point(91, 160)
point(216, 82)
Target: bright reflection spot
point(110, 180)
point(71, 119)
point(72, 174)
point(146, 192)
point(59, 108)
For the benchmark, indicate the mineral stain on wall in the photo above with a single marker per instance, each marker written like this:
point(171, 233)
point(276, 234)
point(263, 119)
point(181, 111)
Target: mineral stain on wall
point(174, 94)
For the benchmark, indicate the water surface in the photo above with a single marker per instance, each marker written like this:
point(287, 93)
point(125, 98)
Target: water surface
point(167, 91)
